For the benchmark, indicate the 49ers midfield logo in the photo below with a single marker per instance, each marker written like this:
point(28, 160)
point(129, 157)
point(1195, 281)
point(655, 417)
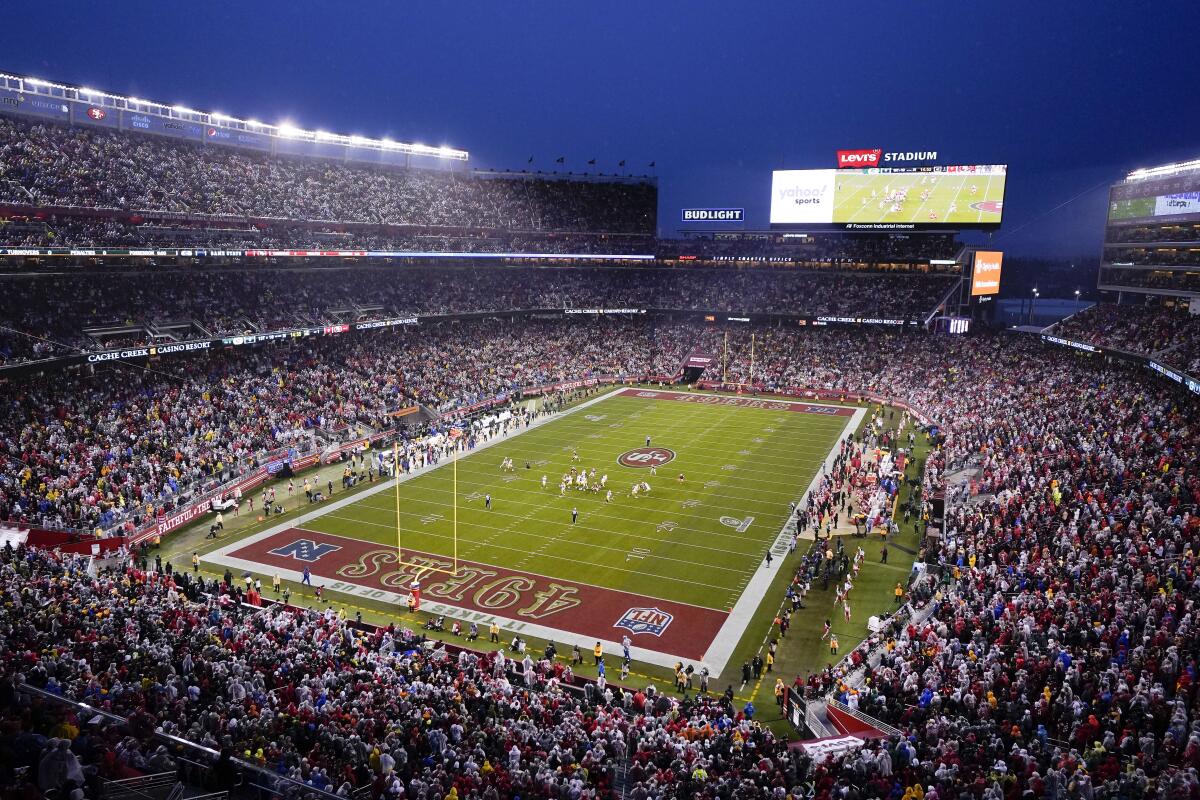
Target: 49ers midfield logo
point(646, 457)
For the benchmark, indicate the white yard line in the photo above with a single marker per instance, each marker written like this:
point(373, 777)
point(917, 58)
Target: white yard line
point(986, 190)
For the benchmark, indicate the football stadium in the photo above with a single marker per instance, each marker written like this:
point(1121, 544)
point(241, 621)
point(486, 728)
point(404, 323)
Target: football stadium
point(338, 465)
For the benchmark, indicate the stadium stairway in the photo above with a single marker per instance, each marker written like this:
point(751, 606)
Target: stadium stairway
point(816, 719)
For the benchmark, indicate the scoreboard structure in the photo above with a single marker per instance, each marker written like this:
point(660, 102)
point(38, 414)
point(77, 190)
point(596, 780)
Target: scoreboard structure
point(1152, 234)
point(887, 198)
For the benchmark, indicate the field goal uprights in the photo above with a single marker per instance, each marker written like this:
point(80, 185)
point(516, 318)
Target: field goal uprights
point(423, 569)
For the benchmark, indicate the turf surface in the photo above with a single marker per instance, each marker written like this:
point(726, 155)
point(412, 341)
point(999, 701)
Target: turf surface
point(739, 463)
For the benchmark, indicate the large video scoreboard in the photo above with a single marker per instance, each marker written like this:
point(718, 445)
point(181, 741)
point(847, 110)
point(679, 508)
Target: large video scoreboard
point(1170, 199)
point(890, 199)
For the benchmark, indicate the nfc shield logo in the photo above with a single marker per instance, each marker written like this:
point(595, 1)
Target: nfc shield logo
point(645, 620)
point(305, 550)
point(646, 457)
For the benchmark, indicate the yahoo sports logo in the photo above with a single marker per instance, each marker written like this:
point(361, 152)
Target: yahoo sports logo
point(646, 457)
point(645, 620)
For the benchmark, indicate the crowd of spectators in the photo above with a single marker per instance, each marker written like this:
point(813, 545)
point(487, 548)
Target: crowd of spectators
point(50, 315)
point(126, 444)
point(1175, 280)
point(47, 165)
point(1059, 661)
point(1183, 232)
point(311, 698)
point(55, 231)
point(1154, 256)
point(1167, 332)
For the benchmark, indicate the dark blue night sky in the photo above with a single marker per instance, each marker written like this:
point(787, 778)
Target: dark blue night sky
point(1070, 94)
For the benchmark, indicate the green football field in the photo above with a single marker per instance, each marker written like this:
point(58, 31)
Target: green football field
point(680, 569)
point(857, 204)
point(738, 463)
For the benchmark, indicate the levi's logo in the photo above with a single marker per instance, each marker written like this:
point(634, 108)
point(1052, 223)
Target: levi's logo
point(859, 158)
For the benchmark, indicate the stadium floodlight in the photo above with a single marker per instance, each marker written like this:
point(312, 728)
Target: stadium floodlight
point(183, 110)
point(37, 81)
point(85, 90)
point(217, 115)
point(288, 130)
point(253, 123)
point(1165, 169)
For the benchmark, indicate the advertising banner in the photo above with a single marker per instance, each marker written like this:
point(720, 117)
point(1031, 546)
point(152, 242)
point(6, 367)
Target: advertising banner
point(714, 215)
point(985, 279)
point(37, 105)
point(161, 126)
point(802, 196)
point(235, 138)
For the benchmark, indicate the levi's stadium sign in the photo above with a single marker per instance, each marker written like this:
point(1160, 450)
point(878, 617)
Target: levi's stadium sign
point(864, 159)
point(859, 158)
point(714, 215)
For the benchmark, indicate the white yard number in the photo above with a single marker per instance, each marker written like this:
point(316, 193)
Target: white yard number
point(668, 526)
point(740, 525)
point(638, 553)
point(429, 519)
point(595, 417)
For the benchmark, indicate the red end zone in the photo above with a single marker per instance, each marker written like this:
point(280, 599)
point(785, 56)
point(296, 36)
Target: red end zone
point(740, 402)
point(664, 626)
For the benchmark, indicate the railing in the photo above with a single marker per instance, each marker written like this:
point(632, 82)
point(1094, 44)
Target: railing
point(151, 787)
point(866, 719)
point(817, 726)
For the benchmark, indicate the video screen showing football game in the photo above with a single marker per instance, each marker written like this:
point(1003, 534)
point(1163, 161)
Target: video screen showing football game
point(1172, 199)
point(974, 197)
point(964, 196)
